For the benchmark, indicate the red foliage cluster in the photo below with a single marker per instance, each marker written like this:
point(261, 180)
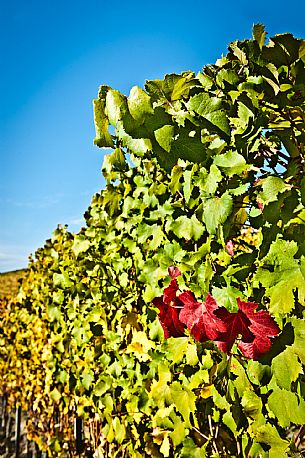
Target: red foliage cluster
point(208, 321)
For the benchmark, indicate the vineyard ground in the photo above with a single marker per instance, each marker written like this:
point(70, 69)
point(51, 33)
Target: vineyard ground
point(9, 282)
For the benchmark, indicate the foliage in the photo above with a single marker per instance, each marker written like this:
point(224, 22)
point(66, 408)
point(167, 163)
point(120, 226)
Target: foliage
point(196, 159)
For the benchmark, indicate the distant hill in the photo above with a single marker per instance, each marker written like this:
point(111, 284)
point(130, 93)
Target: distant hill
point(9, 282)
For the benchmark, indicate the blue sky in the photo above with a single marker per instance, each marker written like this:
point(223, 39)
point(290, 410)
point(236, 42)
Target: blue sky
point(54, 56)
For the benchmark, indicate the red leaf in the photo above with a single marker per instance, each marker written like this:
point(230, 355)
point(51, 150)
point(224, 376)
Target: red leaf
point(262, 324)
point(255, 349)
point(169, 319)
point(237, 324)
point(255, 329)
point(169, 306)
point(200, 318)
point(262, 327)
point(170, 293)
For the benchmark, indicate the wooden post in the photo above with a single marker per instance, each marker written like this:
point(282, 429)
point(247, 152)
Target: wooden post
point(78, 435)
point(17, 430)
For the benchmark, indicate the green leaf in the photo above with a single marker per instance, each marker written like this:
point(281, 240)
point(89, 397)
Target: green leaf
point(252, 404)
point(208, 182)
point(165, 447)
point(268, 434)
point(54, 313)
point(176, 174)
point(113, 162)
point(285, 277)
point(139, 104)
point(220, 401)
point(177, 348)
point(103, 384)
point(259, 34)
point(62, 280)
point(281, 297)
point(272, 186)
point(241, 383)
point(224, 76)
point(286, 407)
point(283, 49)
point(286, 368)
point(115, 106)
point(239, 53)
point(119, 430)
point(187, 185)
point(179, 432)
point(160, 390)
point(205, 80)
point(103, 138)
point(184, 401)
point(187, 228)
point(191, 354)
point(172, 88)
point(231, 163)
point(210, 108)
point(165, 136)
point(182, 86)
point(204, 275)
point(229, 421)
point(216, 211)
point(87, 379)
point(145, 231)
point(80, 244)
point(189, 449)
point(299, 338)
point(256, 371)
point(55, 395)
point(188, 146)
point(138, 146)
point(281, 254)
point(226, 297)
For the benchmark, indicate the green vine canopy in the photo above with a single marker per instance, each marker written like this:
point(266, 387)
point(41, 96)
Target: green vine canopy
point(201, 223)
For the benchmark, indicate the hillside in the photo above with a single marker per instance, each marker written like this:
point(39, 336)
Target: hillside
point(9, 282)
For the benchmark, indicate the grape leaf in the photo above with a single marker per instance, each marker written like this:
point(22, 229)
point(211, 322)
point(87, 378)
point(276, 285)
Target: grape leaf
point(187, 228)
point(272, 186)
point(169, 306)
point(165, 136)
point(80, 244)
point(286, 368)
point(299, 338)
point(268, 434)
point(285, 275)
point(103, 138)
point(200, 318)
point(139, 104)
point(259, 34)
point(231, 163)
point(255, 329)
point(184, 401)
point(284, 404)
point(210, 108)
point(216, 211)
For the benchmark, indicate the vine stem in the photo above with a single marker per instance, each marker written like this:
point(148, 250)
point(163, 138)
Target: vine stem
point(212, 434)
point(298, 436)
point(201, 434)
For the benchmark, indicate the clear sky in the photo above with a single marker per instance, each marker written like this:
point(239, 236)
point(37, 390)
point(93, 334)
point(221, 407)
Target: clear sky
point(55, 54)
